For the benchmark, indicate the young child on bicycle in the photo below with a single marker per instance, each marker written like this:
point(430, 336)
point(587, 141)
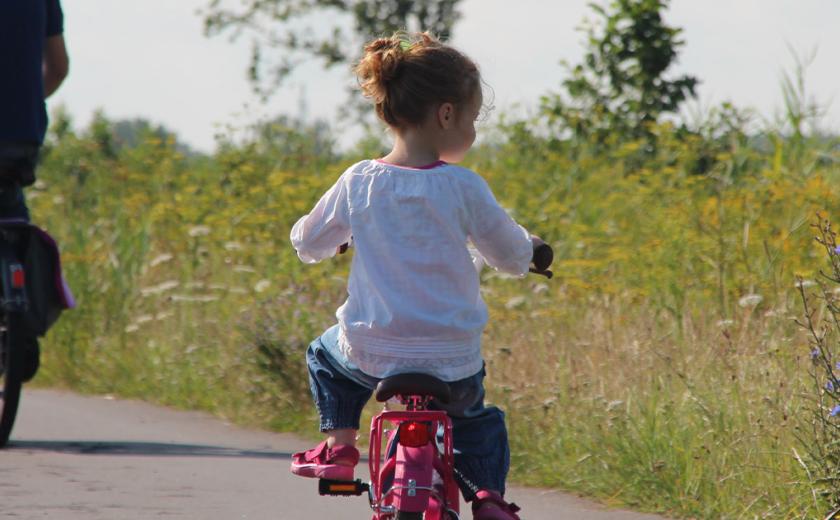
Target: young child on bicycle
point(413, 293)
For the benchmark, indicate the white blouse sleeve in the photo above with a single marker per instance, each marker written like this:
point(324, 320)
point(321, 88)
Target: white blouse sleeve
point(503, 243)
point(317, 235)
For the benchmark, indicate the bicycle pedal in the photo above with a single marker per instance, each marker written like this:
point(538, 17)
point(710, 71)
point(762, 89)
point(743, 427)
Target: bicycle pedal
point(341, 488)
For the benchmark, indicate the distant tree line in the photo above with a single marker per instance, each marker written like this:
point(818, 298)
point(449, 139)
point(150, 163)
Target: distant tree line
point(621, 87)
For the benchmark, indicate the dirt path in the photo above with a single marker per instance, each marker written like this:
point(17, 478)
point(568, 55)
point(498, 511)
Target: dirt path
point(74, 457)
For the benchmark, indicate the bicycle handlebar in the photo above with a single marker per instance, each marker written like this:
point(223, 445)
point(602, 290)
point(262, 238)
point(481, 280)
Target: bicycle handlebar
point(542, 258)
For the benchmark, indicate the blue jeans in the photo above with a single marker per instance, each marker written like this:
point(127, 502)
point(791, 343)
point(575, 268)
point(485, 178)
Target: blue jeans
point(482, 455)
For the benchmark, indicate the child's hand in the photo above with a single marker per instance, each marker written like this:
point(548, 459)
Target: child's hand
point(543, 256)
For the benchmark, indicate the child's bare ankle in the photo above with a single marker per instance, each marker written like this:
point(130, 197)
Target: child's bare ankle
point(344, 437)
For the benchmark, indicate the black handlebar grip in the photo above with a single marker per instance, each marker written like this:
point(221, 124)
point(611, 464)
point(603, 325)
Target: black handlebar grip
point(543, 256)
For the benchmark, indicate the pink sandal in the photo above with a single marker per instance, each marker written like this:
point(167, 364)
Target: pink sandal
point(503, 511)
point(336, 463)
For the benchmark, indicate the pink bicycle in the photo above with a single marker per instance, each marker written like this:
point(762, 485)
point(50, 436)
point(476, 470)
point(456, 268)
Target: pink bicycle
point(414, 477)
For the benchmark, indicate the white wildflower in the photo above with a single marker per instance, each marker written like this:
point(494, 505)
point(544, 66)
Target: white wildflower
point(804, 284)
point(233, 246)
point(160, 259)
point(262, 285)
point(725, 323)
point(540, 288)
point(750, 300)
point(514, 302)
point(198, 231)
point(505, 276)
point(159, 288)
point(198, 298)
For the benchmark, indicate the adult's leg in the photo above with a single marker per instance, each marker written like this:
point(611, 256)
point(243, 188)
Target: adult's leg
point(13, 202)
point(17, 165)
point(17, 168)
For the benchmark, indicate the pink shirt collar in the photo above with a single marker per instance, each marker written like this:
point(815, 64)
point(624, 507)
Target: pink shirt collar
point(426, 167)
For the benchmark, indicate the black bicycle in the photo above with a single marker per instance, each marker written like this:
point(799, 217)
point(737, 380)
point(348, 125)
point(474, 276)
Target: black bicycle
point(13, 304)
point(32, 296)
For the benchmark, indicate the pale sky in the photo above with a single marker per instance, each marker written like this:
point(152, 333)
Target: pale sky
point(149, 58)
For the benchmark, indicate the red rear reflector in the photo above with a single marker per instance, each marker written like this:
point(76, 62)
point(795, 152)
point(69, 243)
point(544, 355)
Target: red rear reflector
point(414, 434)
point(18, 279)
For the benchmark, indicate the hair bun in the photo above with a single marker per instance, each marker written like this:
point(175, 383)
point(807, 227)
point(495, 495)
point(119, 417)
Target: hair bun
point(380, 65)
point(407, 74)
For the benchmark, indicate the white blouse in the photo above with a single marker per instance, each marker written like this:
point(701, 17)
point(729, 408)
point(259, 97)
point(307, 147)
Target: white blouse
point(413, 300)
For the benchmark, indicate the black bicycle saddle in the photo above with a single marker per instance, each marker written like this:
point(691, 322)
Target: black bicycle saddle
point(412, 384)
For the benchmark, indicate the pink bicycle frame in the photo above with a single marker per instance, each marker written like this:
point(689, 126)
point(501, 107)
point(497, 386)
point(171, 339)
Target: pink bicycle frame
point(412, 469)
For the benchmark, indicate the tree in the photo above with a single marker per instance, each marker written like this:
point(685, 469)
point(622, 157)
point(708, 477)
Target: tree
point(287, 25)
point(620, 88)
point(131, 133)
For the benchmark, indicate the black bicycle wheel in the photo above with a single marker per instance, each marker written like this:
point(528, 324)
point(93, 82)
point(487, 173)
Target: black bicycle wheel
point(11, 377)
point(405, 515)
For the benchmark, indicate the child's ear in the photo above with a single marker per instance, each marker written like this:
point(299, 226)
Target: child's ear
point(446, 115)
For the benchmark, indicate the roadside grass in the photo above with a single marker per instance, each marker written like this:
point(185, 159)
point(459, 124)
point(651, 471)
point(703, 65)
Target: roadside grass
point(698, 424)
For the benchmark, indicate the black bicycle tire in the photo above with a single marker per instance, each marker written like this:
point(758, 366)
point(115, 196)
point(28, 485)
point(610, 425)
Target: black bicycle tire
point(405, 515)
point(12, 380)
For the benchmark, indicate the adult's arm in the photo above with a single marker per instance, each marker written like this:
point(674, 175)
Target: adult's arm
point(56, 63)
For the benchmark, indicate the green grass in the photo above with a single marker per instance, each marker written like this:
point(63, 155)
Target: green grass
point(634, 376)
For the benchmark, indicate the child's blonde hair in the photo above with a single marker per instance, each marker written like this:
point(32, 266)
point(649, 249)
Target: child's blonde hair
point(406, 75)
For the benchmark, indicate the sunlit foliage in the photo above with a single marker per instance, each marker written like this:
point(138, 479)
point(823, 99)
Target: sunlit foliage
point(660, 368)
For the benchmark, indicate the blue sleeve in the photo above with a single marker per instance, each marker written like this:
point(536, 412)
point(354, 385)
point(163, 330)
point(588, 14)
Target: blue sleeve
point(55, 18)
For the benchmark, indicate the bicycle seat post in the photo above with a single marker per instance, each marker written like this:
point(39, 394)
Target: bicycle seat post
point(415, 402)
